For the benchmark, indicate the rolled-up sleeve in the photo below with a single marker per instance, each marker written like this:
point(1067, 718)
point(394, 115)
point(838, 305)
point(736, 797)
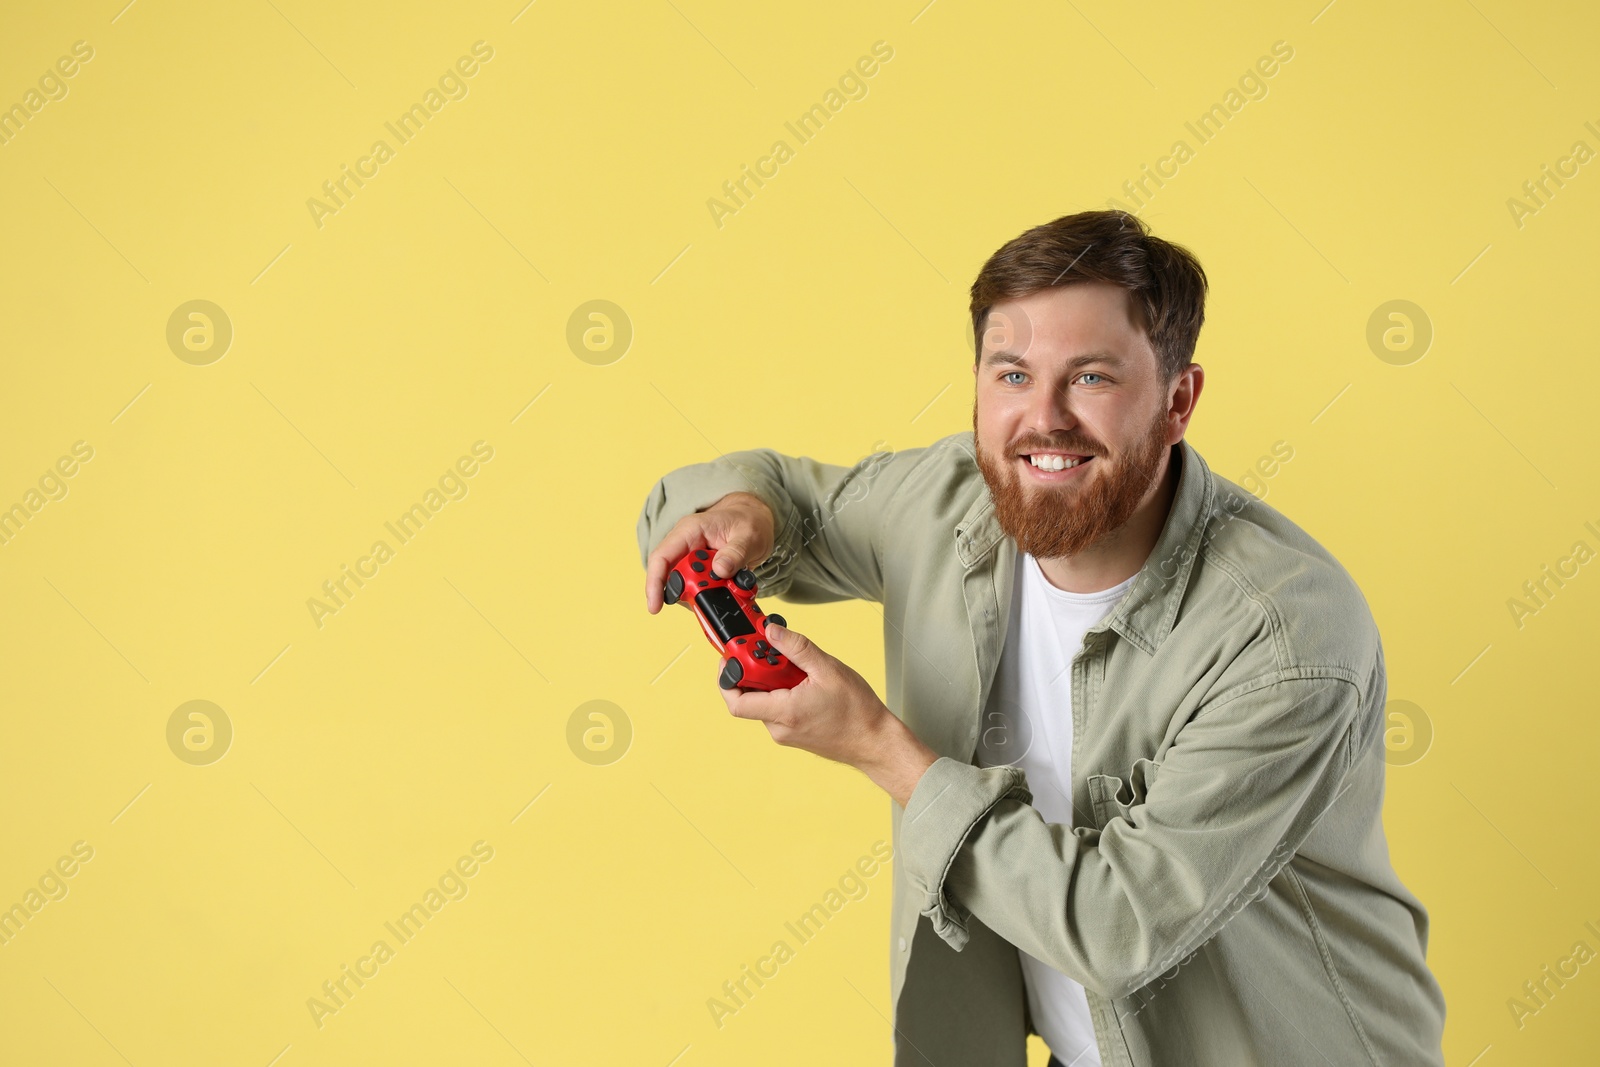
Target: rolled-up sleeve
point(699, 485)
point(829, 518)
point(949, 800)
point(1112, 907)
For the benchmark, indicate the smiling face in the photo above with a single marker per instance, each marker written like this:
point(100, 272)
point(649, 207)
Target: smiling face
point(1072, 421)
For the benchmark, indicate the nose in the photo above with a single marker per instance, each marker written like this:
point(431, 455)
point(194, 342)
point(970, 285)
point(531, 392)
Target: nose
point(1050, 411)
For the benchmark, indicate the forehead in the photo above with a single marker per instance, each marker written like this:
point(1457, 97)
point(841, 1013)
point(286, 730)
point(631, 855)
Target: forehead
point(1066, 322)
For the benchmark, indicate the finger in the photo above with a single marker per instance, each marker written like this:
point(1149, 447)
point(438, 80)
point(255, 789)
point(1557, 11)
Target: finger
point(726, 562)
point(797, 646)
point(679, 539)
point(731, 556)
point(750, 704)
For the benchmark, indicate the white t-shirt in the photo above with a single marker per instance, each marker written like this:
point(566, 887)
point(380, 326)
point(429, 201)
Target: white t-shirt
point(1028, 724)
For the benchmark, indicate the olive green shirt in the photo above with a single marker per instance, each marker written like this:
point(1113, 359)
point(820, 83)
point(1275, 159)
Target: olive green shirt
point(1224, 894)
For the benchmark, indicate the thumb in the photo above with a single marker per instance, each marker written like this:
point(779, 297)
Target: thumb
point(797, 646)
point(729, 558)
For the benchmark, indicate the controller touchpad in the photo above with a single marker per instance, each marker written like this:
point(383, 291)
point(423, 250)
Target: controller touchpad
point(718, 607)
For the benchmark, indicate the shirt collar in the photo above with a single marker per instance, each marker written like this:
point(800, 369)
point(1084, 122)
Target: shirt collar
point(1147, 613)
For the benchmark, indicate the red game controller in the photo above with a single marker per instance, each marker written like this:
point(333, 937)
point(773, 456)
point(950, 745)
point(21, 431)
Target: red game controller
point(726, 608)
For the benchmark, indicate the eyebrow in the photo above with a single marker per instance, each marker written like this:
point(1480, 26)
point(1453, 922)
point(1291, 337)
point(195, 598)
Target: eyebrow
point(1107, 358)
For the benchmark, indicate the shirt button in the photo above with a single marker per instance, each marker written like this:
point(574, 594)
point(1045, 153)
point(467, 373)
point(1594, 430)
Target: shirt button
point(902, 944)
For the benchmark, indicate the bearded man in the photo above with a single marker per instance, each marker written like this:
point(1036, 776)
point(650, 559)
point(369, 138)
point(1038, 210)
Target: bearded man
point(1133, 728)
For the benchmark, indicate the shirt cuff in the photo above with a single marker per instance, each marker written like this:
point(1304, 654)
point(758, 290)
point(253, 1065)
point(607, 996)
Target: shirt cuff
point(950, 799)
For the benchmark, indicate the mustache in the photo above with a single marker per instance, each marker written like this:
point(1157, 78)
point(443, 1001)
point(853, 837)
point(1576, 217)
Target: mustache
point(1076, 445)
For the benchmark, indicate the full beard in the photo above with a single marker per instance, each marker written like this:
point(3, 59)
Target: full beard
point(1052, 521)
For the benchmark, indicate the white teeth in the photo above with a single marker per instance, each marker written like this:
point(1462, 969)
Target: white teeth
point(1055, 463)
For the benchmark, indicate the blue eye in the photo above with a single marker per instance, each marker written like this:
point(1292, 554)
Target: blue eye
point(1090, 374)
point(1008, 374)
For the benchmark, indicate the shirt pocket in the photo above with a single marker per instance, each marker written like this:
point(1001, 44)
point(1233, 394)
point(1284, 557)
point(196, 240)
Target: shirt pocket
point(1112, 797)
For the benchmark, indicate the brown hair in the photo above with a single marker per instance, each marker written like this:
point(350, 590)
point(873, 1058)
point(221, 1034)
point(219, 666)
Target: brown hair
point(1165, 282)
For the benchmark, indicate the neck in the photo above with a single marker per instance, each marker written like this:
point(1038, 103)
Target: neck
point(1119, 555)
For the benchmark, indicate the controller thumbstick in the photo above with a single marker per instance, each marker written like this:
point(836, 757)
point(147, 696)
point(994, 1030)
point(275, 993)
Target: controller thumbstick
point(745, 579)
point(774, 618)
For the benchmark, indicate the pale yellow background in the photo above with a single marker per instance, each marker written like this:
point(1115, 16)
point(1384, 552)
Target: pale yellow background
point(826, 316)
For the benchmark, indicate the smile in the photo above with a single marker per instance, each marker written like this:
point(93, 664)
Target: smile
point(1054, 466)
point(1052, 461)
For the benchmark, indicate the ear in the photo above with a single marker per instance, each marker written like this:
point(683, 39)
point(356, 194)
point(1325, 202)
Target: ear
point(1185, 395)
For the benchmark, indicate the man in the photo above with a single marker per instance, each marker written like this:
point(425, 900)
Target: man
point(1134, 720)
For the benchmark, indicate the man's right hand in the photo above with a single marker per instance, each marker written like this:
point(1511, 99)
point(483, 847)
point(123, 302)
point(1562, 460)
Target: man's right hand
point(740, 527)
